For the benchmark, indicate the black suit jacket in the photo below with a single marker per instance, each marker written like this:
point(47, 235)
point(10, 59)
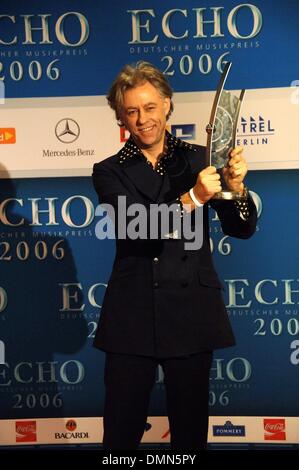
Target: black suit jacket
point(162, 300)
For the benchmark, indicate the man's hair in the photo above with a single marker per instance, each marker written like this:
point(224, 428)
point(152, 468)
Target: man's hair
point(133, 75)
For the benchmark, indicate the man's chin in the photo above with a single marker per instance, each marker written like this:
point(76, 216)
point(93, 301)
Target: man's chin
point(145, 143)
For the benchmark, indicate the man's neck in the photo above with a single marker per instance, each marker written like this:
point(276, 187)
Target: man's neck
point(153, 154)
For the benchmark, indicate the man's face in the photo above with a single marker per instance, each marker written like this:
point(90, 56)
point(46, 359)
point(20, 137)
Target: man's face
point(144, 115)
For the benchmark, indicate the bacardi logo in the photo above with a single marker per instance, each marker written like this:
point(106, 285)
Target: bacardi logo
point(71, 425)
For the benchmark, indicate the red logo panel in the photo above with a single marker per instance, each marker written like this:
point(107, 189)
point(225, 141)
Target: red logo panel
point(274, 429)
point(25, 431)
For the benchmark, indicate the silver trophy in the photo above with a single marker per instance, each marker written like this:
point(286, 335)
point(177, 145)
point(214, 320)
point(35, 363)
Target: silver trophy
point(222, 130)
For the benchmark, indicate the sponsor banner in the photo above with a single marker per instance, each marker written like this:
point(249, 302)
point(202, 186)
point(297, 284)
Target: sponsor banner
point(254, 429)
point(263, 130)
point(64, 137)
point(55, 137)
point(71, 431)
point(51, 431)
point(156, 430)
point(89, 430)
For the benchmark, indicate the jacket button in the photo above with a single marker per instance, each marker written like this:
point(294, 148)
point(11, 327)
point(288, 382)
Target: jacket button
point(156, 260)
point(184, 257)
point(156, 285)
point(184, 284)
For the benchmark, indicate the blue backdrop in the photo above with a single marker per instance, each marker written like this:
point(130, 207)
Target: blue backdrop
point(53, 270)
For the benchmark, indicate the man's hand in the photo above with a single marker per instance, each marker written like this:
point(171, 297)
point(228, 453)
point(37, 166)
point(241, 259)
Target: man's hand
point(236, 170)
point(207, 184)
point(208, 180)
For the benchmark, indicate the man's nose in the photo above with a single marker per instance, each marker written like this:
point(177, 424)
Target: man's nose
point(141, 116)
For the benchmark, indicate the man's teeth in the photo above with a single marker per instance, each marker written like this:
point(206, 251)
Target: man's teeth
point(147, 129)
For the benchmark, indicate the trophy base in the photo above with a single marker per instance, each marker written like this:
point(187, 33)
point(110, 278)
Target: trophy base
point(228, 195)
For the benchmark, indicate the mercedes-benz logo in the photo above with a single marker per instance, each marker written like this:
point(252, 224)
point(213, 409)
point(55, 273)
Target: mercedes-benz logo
point(67, 130)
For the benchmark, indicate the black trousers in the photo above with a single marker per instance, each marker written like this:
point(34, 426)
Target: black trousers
point(129, 380)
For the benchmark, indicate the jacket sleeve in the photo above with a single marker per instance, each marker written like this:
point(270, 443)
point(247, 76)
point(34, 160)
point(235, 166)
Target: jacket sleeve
point(231, 221)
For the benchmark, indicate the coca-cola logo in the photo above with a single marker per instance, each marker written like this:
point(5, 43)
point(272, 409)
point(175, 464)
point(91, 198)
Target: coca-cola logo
point(25, 431)
point(25, 428)
point(274, 429)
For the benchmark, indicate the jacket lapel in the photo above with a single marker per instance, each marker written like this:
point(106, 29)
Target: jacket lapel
point(145, 179)
point(181, 174)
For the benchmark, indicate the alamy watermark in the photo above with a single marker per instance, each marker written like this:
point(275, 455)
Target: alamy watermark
point(2, 352)
point(2, 92)
point(154, 222)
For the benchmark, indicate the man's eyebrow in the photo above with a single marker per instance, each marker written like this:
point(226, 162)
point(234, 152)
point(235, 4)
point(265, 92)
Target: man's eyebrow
point(151, 103)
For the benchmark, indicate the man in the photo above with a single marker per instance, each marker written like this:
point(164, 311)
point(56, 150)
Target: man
point(163, 304)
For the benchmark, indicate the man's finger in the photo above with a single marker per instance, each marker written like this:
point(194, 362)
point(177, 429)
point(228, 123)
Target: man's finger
point(236, 159)
point(209, 170)
point(236, 151)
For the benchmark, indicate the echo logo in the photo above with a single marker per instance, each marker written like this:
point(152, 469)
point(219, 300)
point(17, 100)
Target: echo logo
point(2, 352)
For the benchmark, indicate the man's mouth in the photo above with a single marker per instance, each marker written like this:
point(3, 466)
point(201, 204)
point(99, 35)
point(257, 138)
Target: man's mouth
point(146, 129)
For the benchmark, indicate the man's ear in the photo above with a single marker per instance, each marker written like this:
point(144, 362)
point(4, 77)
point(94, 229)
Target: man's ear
point(166, 105)
point(119, 119)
